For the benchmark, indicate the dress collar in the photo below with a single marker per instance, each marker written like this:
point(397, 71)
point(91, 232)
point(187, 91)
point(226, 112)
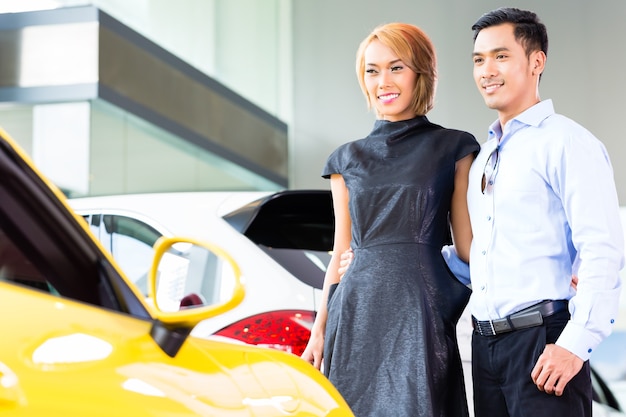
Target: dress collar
point(393, 132)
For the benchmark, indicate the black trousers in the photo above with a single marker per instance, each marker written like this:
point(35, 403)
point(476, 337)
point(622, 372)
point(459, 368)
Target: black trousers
point(501, 367)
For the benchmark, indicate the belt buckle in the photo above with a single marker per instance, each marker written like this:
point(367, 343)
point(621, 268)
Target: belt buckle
point(485, 330)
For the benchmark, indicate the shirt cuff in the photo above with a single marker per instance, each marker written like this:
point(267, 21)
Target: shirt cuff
point(459, 268)
point(578, 340)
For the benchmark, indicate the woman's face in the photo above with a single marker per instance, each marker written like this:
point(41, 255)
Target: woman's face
point(389, 82)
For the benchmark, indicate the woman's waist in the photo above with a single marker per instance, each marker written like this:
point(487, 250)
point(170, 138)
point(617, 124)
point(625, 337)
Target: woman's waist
point(383, 244)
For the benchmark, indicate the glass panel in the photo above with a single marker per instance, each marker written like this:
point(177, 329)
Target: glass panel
point(17, 121)
point(131, 243)
point(130, 155)
point(15, 266)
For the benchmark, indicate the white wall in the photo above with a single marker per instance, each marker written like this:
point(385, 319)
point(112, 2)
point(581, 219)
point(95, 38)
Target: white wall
point(584, 75)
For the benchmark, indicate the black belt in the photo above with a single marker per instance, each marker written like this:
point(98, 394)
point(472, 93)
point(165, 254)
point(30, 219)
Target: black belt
point(528, 317)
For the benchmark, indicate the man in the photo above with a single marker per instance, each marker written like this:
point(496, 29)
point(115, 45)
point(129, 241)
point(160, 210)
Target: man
point(543, 207)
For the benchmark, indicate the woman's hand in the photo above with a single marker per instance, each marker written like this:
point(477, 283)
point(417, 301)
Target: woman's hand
point(314, 351)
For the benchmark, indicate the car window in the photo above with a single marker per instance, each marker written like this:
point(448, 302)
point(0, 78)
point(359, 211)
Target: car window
point(309, 266)
point(295, 228)
point(131, 242)
point(17, 267)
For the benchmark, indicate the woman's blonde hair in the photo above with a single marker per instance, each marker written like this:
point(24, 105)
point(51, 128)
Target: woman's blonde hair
point(416, 51)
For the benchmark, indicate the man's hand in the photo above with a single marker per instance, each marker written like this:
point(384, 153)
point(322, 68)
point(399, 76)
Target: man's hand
point(554, 369)
point(344, 263)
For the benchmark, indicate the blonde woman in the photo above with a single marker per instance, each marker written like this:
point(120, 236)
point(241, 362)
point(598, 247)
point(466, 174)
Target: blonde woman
point(386, 331)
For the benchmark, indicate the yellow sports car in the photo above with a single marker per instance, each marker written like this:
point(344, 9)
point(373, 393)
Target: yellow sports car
point(77, 340)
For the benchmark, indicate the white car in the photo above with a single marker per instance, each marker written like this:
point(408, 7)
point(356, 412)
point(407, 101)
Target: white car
point(280, 240)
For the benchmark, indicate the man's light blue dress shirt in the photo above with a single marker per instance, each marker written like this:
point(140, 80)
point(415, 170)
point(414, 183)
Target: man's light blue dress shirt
point(549, 209)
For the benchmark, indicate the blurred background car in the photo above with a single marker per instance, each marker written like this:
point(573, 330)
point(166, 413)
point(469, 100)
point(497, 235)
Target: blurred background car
point(79, 339)
point(280, 240)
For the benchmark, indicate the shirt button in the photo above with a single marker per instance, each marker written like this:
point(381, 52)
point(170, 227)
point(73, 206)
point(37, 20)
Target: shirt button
point(488, 218)
point(484, 252)
point(482, 288)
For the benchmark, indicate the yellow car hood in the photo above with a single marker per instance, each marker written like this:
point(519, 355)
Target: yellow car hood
point(60, 357)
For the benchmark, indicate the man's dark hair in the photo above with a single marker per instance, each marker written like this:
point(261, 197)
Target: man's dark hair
point(529, 31)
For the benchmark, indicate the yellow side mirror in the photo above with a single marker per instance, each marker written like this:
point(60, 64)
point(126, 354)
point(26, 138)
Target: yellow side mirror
point(190, 281)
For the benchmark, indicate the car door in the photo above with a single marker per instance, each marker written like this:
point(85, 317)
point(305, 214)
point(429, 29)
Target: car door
point(75, 335)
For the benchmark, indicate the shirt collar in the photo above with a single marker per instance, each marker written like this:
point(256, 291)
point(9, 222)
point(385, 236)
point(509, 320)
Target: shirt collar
point(532, 116)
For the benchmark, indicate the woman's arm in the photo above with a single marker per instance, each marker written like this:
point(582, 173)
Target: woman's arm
point(314, 350)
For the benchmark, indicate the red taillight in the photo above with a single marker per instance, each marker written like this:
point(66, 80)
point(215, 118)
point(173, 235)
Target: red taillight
point(286, 330)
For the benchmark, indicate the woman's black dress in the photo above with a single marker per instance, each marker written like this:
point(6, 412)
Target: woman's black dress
point(390, 345)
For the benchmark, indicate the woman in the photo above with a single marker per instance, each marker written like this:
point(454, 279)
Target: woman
point(386, 334)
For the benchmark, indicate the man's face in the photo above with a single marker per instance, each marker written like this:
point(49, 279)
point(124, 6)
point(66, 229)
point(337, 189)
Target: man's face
point(504, 75)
